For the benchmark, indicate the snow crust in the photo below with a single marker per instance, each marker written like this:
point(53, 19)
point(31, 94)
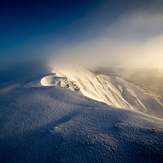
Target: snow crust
point(55, 124)
point(111, 90)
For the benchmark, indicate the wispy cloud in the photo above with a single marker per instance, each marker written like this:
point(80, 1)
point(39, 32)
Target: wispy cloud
point(133, 39)
point(137, 25)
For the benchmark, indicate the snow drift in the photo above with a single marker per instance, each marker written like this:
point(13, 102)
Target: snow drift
point(54, 124)
point(111, 90)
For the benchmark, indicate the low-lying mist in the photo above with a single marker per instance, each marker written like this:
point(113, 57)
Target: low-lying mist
point(105, 52)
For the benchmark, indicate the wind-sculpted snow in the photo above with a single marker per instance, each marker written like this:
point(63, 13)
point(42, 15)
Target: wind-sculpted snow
point(53, 124)
point(54, 80)
point(111, 90)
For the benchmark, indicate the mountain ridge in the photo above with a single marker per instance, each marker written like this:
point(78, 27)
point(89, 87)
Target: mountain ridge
point(112, 90)
point(54, 124)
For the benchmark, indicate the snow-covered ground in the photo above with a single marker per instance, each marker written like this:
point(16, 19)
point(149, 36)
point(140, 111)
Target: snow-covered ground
point(54, 124)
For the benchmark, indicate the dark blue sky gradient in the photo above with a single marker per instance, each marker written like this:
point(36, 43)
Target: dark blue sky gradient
point(24, 22)
point(28, 25)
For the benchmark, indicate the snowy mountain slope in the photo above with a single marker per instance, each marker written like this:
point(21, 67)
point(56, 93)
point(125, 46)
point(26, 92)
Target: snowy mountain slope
point(153, 105)
point(53, 124)
point(111, 90)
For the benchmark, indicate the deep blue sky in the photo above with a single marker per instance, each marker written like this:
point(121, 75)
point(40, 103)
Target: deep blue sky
point(27, 27)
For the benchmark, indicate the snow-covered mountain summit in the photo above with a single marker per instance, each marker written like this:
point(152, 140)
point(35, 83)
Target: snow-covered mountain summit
point(111, 90)
point(54, 124)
